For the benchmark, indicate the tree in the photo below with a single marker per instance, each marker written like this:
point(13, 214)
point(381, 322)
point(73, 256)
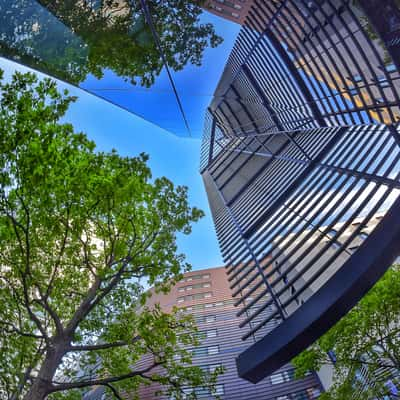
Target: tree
point(74, 38)
point(82, 235)
point(31, 35)
point(368, 338)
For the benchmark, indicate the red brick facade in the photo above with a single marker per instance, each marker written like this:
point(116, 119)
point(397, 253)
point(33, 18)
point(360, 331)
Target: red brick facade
point(233, 10)
point(208, 296)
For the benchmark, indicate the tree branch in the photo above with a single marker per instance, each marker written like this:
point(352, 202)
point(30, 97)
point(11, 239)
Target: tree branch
point(27, 375)
point(104, 346)
point(91, 300)
point(61, 386)
point(58, 262)
point(114, 391)
point(14, 329)
point(32, 315)
point(42, 302)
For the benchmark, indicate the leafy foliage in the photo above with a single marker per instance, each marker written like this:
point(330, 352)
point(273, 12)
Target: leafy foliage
point(74, 38)
point(367, 337)
point(83, 234)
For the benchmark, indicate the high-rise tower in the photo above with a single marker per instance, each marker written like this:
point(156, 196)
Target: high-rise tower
point(301, 137)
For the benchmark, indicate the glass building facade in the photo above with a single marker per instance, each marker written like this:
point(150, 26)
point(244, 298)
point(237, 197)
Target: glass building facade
point(106, 49)
point(300, 141)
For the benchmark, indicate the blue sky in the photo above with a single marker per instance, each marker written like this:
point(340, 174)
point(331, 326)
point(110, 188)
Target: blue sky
point(195, 86)
point(170, 155)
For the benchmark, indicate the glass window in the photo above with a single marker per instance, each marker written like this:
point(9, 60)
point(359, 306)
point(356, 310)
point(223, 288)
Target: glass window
point(315, 392)
point(213, 350)
point(356, 78)
point(211, 333)
point(281, 377)
point(210, 367)
point(308, 394)
point(363, 235)
point(219, 389)
point(383, 81)
point(201, 391)
point(207, 334)
point(195, 286)
point(200, 351)
point(353, 90)
point(205, 318)
point(276, 379)
point(390, 68)
point(203, 351)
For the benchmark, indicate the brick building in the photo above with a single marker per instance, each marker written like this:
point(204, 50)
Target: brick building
point(233, 10)
point(208, 296)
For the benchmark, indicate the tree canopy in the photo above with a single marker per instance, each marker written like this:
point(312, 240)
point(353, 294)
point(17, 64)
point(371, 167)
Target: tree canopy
point(83, 235)
point(367, 338)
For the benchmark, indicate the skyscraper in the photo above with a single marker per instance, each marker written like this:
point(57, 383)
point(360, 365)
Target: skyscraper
point(302, 136)
point(207, 295)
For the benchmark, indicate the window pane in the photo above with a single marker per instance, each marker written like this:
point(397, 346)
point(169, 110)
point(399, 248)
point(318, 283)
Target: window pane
point(213, 350)
point(212, 333)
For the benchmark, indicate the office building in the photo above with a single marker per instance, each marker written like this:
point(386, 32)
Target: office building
point(232, 10)
point(302, 136)
point(206, 294)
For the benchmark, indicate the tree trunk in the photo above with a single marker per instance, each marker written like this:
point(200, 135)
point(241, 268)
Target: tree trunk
point(38, 391)
point(42, 385)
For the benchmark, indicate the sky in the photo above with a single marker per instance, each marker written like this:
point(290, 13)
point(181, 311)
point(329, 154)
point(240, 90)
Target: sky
point(176, 157)
point(195, 86)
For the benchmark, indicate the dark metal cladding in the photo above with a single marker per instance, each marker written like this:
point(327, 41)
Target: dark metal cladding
point(301, 151)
